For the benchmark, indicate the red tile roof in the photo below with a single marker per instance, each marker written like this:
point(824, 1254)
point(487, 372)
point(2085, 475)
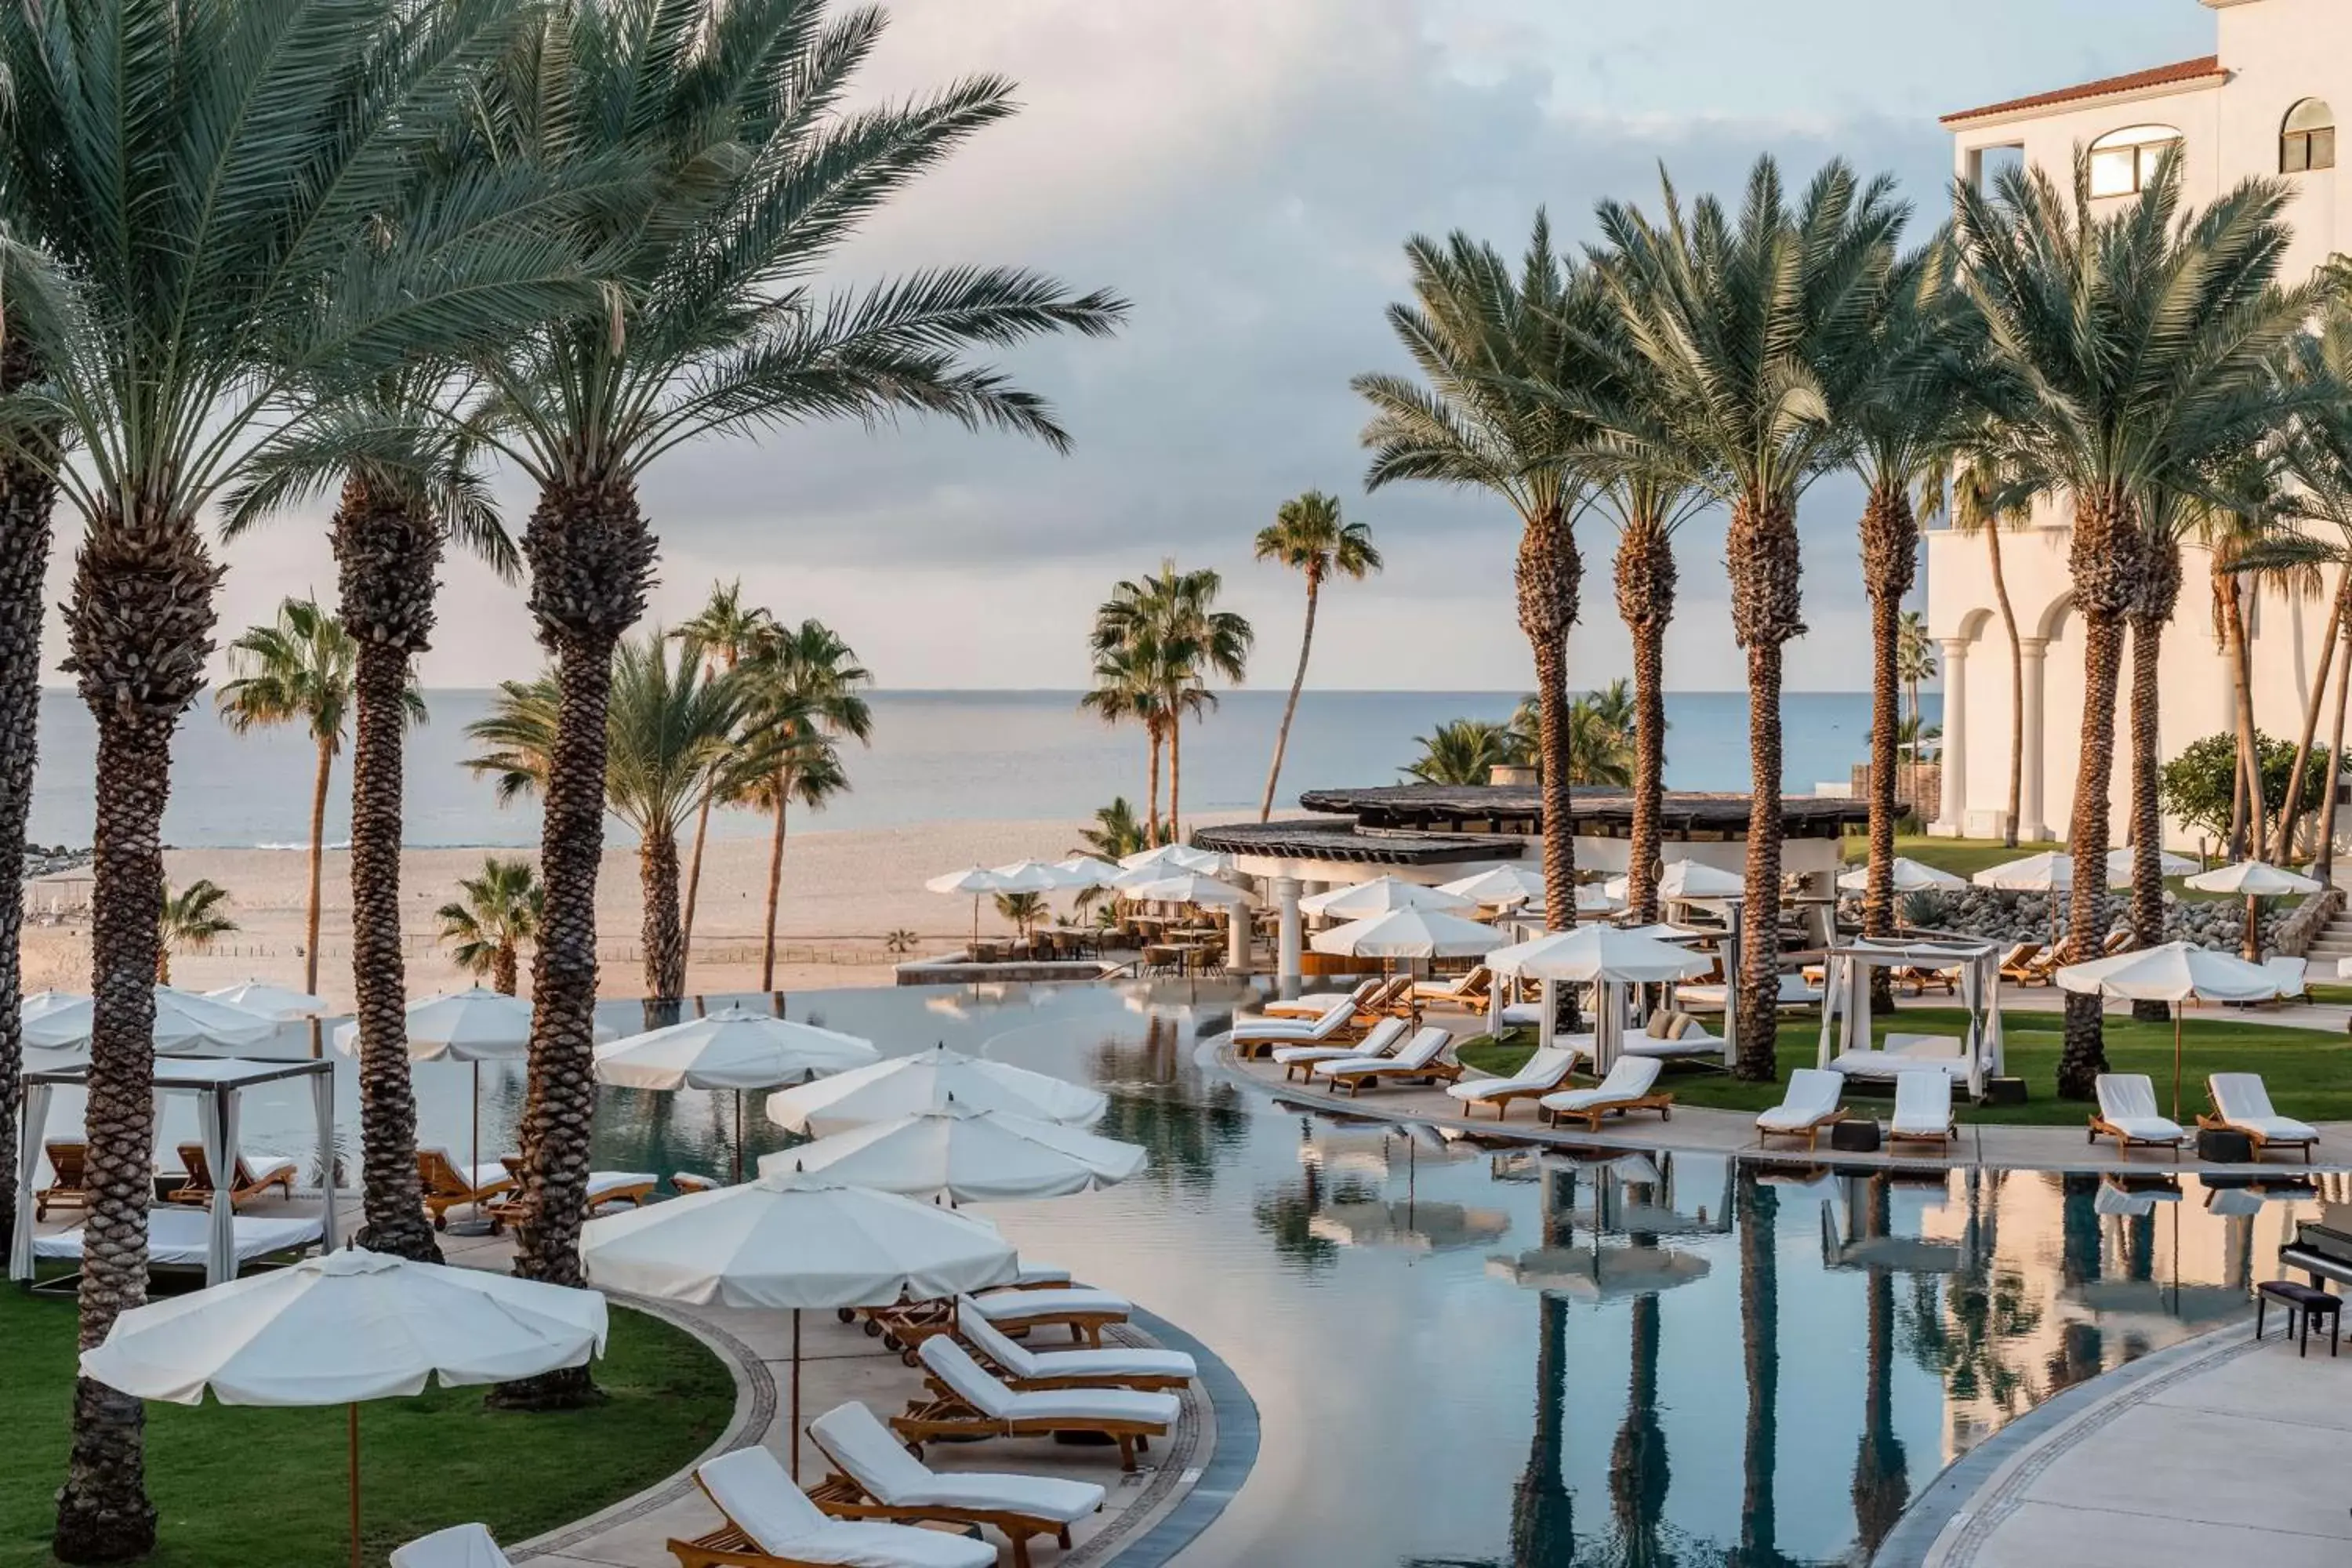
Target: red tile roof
point(2157, 76)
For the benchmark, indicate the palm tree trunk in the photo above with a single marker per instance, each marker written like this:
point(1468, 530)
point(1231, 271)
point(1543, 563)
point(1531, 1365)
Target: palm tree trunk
point(2324, 868)
point(2146, 815)
point(1766, 611)
point(2106, 564)
point(2016, 685)
point(1760, 1313)
point(2247, 831)
point(2283, 848)
point(775, 885)
point(1549, 576)
point(506, 965)
point(663, 934)
point(694, 878)
point(1881, 1470)
point(1890, 548)
point(26, 497)
point(319, 787)
point(1645, 602)
point(1152, 727)
point(1290, 708)
point(387, 550)
point(1176, 777)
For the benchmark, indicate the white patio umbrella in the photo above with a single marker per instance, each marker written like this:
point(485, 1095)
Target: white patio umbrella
point(964, 1154)
point(185, 1023)
point(2253, 880)
point(269, 1000)
point(2175, 971)
point(2121, 862)
point(349, 1326)
point(1595, 898)
point(797, 1243)
point(1086, 871)
point(1910, 876)
point(972, 880)
point(1188, 887)
point(1683, 881)
point(1411, 933)
point(1601, 1273)
point(733, 1049)
point(1600, 956)
point(2051, 871)
point(1029, 877)
point(1177, 858)
point(1383, 896)
point(904, 1084)
point(1502, 886)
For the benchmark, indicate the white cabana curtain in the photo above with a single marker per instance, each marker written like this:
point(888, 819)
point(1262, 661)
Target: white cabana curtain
point(29, 1162)
point(1845, 1003)
point(216, 1122)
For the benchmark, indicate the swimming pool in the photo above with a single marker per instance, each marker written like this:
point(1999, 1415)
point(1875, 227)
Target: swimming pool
point(1485, 1354)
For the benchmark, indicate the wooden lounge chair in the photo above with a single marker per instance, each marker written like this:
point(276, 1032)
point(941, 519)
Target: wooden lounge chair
point(1086, 1314)
point(2017, 963)
point(1419, 1059)
point(254, 1177)
point(1393, 994)
point(1107, 1366)
point(2242, 1104)
point(1631, 1085)
point(1917, 978)
point(1923, 1110)
point(606, 1188)
point(2041, 969)
point(1810, 1105)
point(69, 1185)
point(1543, 1072)
point(2127, 1114)
point(771, 1524)
point(1261, 1037)
point(449, 1185)
point(2117, 942)
point(459, 1546)
point(1299, 1061)
point(1313, 1006)
point(1468, 989)
point(875, 1478)
point(967, 1403)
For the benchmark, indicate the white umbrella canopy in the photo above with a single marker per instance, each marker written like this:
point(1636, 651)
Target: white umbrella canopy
point(1381, 895)
point(1029, 877)
point(1411, 933)
point(902, 1085)
point(270, 1001)
point(2253, 880)
point(971, 879)
point(2052, 871)
point(1188, 887)
point(474, 1025)
point(1086, 871)
point(1501, 887)
point(1910, 876)
point(1687, 879)
point(184, 1021)
point(733, 1049)
point(1591, 954)
point(2175, 971)
point(2120, 863)
point(1601, 1273)
point(965, 1155)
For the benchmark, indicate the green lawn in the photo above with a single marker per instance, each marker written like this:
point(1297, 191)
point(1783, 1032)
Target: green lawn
point(2309, 1073)
point(265, 1489)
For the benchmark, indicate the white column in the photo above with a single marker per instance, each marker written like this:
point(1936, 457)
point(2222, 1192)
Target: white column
point(1951, 823)
point(1287, 942)
point(1237, 940)
point(2035, 655)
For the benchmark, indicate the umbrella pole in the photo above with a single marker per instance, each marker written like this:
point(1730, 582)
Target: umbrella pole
point(796, 1395)
point(353, 1424)
point(738, 1137)
point(2176, 1062)
point(474, 1152)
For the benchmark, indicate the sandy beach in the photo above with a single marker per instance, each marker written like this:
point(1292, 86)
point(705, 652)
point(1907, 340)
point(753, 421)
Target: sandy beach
point(843, 894)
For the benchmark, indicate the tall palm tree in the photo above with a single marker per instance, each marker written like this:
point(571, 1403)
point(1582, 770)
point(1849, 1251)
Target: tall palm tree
point(1170, 625)
point(728, 630)
point(1309, 536)
point(1115, 835)
point(1964, 489)
point(1462, 751)
point(1127, 691)
point(1487, 344)
point(804, 695)
point(746, 177)
point(1601, 738)
point(1750, 329)
point(2125, 351)
point(488, 929)
point(672, 739)
point(2232, 536)
point(1915, 659)
point(210, 205)
point(190, 921)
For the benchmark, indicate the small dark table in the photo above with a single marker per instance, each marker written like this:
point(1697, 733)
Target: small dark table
point(2303, 1302)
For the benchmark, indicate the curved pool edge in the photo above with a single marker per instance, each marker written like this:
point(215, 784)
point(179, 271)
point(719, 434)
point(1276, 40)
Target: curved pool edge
point(1231, 1460)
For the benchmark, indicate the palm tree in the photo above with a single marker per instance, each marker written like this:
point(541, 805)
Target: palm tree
point(190, 921)
point(1486, 345)
point(728, 630)
point(1462, 751)
point(671, 740)
point(210, 205)
point(1024, 909)
point(1115, 835)
point(1126, 691)
point(1309, 536)
point(499, 917)
point(1601, 738)
point(1964, 489)
point(1748, 329)
point(1915, 658)
point(803, 695)
point(2233, 535)
point(744, 177)
point(2126, 350)
point(1178, 640)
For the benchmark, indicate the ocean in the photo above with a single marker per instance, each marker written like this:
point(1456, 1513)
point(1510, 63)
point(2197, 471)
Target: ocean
point(937, 756)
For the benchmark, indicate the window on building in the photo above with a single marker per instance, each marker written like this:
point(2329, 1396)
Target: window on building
point(2308, 139)
point(2124, 163)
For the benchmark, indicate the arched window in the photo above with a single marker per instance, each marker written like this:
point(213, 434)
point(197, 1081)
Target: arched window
point(2307, 140)
point(2124, 163)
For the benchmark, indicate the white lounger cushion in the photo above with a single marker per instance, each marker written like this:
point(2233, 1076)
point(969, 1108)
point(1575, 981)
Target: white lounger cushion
point(1813, 1094)
point(1923, 1103)
point(751, 1489)
point(1302, 1030)
point(1693, 1041)
point(459, 1546)
point(601, 1183)
point(2128, 1102)
point(1035, 1276)
point(1419, 1053)
point(1314, 1006)
point(2291, 973)
point(1012, 1306)
point(261, 1167)
point(2244, 1103)
point(867, 1452)
point(1383, 1038)
point(1630, 1078)
point(1109, 1364)
point(1544, 1070)
point(474, 1176)
point(179, 1235)
point(986, 1393)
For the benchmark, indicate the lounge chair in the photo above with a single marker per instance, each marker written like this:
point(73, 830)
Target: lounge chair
point(1901, 1056)
point(1808, 1104)
point(69, 1185)
point(2293, 977)
point(459, 1546)
point(1299, 1061)
point(1256, 1037)
point(253, 1177)
point(1631, 1085)
point(1313, 1006)
point(1923, 1110)
point(1542, 1073)
point(2041, 969)
point(449, 1185)
point(1420, 1058)
point(771, 1524)
point(1112, 1366)
point(875, 1478)
point(1467, 990)
point(1086, 1314)
point(2118, 941)
point(687, 1182)
point(1917, 978)
point(2127, 1114)
point(968, 1403)
point(2242, 1104)
point(2017, 963)
point(635, 1188)
point(1671, 1036)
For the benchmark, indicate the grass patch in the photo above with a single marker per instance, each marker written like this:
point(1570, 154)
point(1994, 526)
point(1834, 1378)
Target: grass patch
point(265, 1488)
point(2309, 1073)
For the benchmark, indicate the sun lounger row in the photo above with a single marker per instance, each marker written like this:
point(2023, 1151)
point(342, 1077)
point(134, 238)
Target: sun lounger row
point(1923, 1107)
point(255, 1175)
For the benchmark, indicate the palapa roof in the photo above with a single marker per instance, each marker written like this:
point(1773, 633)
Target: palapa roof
point(1518, 808)
point(1340, 841)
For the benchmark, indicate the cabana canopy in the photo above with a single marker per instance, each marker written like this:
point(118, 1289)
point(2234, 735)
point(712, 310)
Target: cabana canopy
point(216, 1084)
point(1847, 1045)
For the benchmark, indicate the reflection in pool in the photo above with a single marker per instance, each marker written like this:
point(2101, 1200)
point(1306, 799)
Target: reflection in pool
point(1483, 1354)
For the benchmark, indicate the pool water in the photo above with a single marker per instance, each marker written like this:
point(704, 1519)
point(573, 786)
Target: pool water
point(1488, 1354)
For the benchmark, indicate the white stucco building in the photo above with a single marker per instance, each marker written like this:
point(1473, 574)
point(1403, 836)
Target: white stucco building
point(2263, 103)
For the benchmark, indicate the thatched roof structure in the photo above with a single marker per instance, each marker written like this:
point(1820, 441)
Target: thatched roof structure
point(1517, 809)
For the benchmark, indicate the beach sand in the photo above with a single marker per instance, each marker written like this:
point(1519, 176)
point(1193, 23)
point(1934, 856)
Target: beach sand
point(843, 894)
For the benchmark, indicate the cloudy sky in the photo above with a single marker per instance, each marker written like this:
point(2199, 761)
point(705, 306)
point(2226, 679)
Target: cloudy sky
point(1244, 172)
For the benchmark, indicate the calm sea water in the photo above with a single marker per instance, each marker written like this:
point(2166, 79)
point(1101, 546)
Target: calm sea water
point(937, 756)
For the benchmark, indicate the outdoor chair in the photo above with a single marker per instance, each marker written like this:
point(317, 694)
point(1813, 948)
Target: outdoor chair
point(1258, 1036)
point(1631, 1085)
point(1468, 989)
point(1421, 1057)
point(449, 1185)
point(1923, 1110)
point(1809, 1105)
point(1299, 1061)
point(874, 1477)
point(967, 1403)
point(2127, 1114)
point(1086, 1314)
point(253, 1177)
point(69, 1185)
point(771, 1524)
point(1538, 1076)
point(459, 1546)
point(2293, 977)
point(1110, 1366)
point(2242, 1104)
point(635, 1188)
point(1311, 1007)
point(2017, 962)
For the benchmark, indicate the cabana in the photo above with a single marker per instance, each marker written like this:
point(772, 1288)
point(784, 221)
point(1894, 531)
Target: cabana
point(1847, 1043)
point(217, 1085)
